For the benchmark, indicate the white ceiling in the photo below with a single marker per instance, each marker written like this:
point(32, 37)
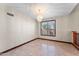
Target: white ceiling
point(49, 9)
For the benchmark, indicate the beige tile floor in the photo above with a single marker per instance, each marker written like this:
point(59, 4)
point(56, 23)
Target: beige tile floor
point(44, 48)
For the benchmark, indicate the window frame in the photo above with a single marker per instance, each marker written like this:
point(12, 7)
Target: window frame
point(47, 32)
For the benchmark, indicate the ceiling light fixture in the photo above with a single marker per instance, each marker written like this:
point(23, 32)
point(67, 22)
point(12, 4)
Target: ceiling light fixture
point(39, 16)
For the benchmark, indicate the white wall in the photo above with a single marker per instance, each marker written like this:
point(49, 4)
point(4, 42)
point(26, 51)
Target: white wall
point(3, 31)
point(64, 26)
point(62, 29)
point(75, 19)
point(15, 30)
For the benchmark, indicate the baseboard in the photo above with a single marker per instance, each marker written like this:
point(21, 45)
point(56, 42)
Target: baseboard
point(77, 47)
point(16, 46)
point(61, 42)
point(55, 40)
point(33, 40)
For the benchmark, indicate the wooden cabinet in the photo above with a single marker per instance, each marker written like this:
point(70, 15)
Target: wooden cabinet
point(74, 34)
point(75, 39)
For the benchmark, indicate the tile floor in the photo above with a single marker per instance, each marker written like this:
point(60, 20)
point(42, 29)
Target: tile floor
point(44, 48)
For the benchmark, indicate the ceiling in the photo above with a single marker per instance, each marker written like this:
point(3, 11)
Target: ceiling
point(47, 9)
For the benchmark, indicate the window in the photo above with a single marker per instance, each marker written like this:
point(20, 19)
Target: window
point(48, 28)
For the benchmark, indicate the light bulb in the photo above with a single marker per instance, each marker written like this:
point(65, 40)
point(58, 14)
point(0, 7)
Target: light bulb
point(39, 18)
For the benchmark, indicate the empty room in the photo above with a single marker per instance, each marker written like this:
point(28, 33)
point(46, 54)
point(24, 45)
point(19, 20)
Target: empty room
point(39, 29)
